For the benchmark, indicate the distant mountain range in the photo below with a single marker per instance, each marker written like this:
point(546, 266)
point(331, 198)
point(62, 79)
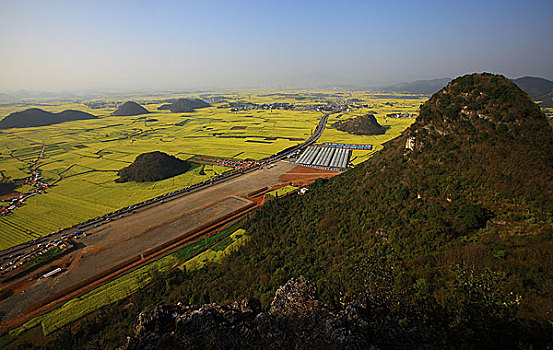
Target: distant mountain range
point(423, 87)
point(38, 117)
point(539, 89)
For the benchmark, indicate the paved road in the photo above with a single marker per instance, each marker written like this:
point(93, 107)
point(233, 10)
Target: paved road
point(108, 245)
point(24, 248)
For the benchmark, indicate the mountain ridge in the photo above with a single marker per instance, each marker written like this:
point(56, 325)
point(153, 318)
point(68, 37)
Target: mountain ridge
point(37, 117)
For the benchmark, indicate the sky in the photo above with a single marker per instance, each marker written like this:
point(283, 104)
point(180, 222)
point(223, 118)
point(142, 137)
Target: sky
point(167, 45)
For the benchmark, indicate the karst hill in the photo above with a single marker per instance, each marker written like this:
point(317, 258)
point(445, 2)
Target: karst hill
point(184, 105)
point(130, 108)
point(153, 166)
point(362, 125)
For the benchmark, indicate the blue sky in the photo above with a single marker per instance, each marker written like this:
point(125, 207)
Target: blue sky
point(65, 45)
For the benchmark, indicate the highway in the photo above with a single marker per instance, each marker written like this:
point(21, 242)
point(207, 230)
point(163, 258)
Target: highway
point(24, 248)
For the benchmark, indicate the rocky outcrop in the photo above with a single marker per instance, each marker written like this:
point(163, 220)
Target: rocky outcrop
point(296, 320)
point(362, 125)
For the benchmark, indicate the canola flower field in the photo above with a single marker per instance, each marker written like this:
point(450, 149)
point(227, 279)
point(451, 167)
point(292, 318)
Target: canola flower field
point(81, 158)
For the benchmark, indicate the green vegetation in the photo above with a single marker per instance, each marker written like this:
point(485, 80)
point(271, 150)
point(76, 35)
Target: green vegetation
point(362, 125)
point(38, 117)
point(51, 254)
point(416, 233)
point(130, 108)
point(153, 166)
point(282, 191)
point(219, 251)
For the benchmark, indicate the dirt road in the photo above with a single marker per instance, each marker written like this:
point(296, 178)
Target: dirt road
point(108, 245)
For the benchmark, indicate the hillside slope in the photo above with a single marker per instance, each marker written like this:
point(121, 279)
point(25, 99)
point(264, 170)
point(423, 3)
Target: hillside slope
point(535, 87)
point(38, 117)
point(451, 242)
point(470, 206)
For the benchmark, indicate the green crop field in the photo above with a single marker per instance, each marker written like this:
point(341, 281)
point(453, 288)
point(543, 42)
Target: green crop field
point(81, 158)
point(282, 191)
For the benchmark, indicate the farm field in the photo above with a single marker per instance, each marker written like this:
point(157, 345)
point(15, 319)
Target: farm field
point(81, 158)
point(208, 249)
point(282, 191)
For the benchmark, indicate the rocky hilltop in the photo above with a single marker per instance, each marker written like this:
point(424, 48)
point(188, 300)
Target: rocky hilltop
point(38, 117)
point(362, 125)
point(130, 108)
point(297, 319)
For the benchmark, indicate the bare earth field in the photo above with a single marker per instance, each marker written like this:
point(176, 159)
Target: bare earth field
point(113, 243)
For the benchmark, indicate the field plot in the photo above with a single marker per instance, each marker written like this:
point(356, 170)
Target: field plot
point(81, 158)
point(381, 105)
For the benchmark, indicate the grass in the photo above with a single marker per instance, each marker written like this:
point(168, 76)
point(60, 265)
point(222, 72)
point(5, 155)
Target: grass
point(282, 191)
point(216, 253)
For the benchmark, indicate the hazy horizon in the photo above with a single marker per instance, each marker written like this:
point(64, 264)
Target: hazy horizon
point(171, 45)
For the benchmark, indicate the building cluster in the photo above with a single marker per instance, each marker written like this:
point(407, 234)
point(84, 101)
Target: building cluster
point(325, 157)
point(402, 115)
point(21, 261)
point(349, 145)
point(225, 162)
point(248, 106)
point(39, 187)
point(101, 104)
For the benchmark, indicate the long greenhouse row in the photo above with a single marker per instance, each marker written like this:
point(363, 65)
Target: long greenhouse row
point(325, 157)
